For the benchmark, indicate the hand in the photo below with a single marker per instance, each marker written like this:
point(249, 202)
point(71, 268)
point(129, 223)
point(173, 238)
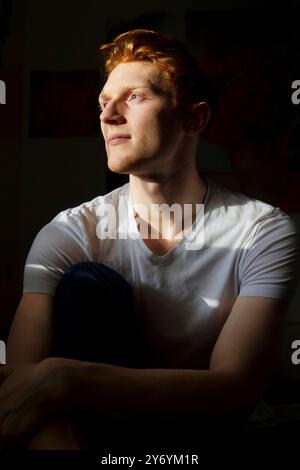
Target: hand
point(31, 395)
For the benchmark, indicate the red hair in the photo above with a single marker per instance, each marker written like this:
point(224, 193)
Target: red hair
point(190, 85)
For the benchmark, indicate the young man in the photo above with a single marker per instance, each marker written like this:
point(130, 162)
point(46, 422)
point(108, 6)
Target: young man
point(197, 342)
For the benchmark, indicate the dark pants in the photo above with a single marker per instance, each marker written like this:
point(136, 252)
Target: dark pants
point(94, 318)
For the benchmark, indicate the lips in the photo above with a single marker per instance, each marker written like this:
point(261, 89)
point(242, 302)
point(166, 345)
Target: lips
point(116, 139)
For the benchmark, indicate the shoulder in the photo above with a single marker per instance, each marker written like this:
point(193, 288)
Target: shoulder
point(69, 238)
point(264, 239)
point(91, 206)
point(235, 203)
point(88, 212)
point(249, 215)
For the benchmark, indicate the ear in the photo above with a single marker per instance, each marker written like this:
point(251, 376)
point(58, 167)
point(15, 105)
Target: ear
point(198, 118)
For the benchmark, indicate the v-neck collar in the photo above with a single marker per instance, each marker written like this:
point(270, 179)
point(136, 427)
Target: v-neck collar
point(157, 259)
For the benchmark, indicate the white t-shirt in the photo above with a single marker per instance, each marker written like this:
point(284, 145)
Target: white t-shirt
point(247, 248)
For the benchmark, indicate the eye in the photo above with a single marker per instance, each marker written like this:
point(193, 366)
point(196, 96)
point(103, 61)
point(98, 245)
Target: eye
point(134, 96)
point(101, 106)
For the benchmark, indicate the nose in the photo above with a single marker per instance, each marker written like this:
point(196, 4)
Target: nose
point(111, 115)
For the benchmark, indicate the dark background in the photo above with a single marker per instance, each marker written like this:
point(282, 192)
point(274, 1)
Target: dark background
point(51, 152)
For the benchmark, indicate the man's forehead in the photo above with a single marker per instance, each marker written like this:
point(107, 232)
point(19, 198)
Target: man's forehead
point(106, 91)
point(133, 75)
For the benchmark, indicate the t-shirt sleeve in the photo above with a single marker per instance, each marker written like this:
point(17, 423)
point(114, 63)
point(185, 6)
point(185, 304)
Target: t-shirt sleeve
point(269, 265)
point(57, 246)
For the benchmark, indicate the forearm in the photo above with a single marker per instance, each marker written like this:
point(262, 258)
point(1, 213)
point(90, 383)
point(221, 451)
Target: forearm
point(200, 396)
point(34, 395)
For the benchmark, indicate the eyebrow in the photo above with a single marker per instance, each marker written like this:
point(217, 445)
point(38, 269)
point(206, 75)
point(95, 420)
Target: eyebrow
point(126, 90)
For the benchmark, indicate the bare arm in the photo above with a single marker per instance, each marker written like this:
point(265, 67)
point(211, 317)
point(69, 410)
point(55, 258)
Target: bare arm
point(30, 336)
point(30, 341)
point(241, 364)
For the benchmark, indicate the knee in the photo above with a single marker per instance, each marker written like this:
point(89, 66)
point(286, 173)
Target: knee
point(83, 274)
point(92, 271)
point(81, 270)
point(88, 280)
point(75, 279)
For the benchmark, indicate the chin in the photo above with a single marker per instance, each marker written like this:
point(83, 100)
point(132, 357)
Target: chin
point(122, 166)
point(121, 169)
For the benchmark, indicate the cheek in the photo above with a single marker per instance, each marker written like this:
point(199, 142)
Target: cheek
point(147, 127)
point(145, 119)
point(152, 126)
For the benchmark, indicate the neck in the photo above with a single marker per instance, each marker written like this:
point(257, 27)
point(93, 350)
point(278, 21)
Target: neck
point(181, 187)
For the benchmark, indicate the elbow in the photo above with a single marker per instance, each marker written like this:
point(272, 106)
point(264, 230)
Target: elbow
point(242, 401)
point(236, 399)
